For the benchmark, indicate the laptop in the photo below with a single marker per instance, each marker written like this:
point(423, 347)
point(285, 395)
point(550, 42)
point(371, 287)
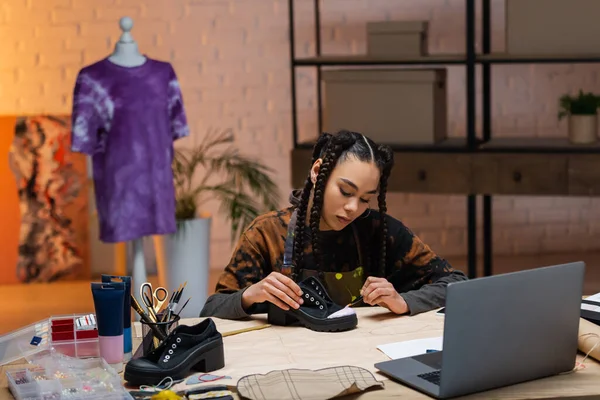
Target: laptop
point(498, 331)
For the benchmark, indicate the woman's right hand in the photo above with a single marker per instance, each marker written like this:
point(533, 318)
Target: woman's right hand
point(275, 288)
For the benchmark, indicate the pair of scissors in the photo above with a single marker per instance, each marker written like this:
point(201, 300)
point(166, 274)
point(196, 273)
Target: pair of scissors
point(153, 299)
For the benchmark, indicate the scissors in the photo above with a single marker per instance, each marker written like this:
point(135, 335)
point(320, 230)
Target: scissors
point(153, 299)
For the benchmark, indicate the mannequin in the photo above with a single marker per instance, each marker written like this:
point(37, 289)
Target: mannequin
point(126, 52)
point(128, 109)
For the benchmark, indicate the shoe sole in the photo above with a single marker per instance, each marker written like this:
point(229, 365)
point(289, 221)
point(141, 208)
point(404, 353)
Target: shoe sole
point(277, 316)
point(207, 358)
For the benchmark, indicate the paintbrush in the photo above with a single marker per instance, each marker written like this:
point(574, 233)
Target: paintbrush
point(355, 302)
point(360, 298)
point(136, 306)
point(184, 304)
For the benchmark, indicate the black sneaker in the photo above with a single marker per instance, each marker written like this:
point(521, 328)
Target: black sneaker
point(314, 311)
point(198, 347)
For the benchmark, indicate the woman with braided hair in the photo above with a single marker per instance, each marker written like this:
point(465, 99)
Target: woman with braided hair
point(331, 232)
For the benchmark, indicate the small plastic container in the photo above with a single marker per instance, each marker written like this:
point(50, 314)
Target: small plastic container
point(72, 339)
point(65, 378)
point(75, 335)
point(25, 342)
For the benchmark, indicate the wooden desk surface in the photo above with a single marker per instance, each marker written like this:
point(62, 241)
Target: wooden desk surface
point(278, 347)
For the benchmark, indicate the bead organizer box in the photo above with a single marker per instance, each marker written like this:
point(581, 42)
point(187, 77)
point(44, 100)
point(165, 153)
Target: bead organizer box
point(58, 377)
point(24, 342)
point(75, 335)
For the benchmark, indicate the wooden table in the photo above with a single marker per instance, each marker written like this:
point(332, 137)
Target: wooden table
point(278, 347)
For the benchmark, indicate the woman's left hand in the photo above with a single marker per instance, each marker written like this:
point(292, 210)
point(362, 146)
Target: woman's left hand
point(379, 291)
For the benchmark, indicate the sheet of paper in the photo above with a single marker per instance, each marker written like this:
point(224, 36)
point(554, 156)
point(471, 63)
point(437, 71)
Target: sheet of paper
point(411, 348)
point(595, 297)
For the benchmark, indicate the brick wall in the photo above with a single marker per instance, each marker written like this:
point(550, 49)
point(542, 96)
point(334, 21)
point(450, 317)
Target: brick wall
point(232, 59)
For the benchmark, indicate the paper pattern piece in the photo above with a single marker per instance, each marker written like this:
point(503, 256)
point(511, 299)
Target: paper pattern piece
point(411, 348)
point(304, 384)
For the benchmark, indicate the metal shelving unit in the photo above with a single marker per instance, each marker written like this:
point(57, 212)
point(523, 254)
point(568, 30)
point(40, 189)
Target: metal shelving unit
point(526, 145)
point(471, 143)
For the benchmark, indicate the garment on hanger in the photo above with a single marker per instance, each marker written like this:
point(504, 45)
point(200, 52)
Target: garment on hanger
point(126, 119)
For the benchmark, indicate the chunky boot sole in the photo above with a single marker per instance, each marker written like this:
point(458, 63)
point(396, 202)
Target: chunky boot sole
point(208, 358)
point(277, 316)
point(212, 360)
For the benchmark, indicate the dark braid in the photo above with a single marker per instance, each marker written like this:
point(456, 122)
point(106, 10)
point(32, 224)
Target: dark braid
point(333, 149)
point(298, 253)
point(318, 149)
point(332, 154)
point(386, 162)
point(302, 207)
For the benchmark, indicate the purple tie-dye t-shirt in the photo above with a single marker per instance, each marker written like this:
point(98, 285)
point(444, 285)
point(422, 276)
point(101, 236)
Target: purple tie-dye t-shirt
point(127, 118)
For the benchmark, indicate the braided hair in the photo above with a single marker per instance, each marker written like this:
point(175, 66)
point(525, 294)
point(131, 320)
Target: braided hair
point(305, 196)
point(334, 149)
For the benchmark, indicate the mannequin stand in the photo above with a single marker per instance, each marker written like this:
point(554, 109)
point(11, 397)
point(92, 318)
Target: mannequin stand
point(137, 260)
point(139, 271)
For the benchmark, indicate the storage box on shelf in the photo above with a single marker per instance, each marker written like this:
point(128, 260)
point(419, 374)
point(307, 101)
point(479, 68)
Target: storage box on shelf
point(395, 106)
point(397, 38)
point(560, 27)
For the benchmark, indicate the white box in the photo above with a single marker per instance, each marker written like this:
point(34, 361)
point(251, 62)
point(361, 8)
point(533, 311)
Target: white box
point(552, 27)
point(397, 38)
point(392, 106)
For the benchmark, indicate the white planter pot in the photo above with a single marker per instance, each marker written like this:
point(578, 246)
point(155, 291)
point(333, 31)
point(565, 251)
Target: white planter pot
point(583, 129)
point(188, 260)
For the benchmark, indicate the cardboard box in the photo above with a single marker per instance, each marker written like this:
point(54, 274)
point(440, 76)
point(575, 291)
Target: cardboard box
point(552, 27)
point(392, 106)
point(397, 38)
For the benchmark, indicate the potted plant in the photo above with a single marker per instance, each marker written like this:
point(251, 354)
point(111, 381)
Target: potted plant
point(214, 169)
point(581, 111)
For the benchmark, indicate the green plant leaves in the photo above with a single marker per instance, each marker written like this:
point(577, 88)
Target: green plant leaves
point(582, 104)
point(242, 185)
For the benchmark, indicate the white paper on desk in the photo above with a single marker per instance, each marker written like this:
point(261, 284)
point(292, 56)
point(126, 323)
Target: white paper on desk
point(595, 297)
point(411, 348)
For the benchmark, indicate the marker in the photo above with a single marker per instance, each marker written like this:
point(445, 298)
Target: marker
point(431, 351)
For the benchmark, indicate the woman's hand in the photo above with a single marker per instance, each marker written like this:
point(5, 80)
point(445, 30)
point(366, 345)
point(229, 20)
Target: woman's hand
point(379, 291)
point(275, 288)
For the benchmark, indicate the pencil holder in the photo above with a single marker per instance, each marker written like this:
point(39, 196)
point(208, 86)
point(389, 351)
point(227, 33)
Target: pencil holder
point(150, 338)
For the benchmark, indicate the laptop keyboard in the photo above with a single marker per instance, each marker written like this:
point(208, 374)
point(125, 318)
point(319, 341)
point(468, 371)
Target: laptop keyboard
point(433, 377)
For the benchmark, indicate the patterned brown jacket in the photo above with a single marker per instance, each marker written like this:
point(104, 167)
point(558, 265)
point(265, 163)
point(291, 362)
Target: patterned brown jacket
point(417, 273)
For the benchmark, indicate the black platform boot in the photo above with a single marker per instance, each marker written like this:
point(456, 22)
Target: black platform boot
point(313, 312)
point(198, 347)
